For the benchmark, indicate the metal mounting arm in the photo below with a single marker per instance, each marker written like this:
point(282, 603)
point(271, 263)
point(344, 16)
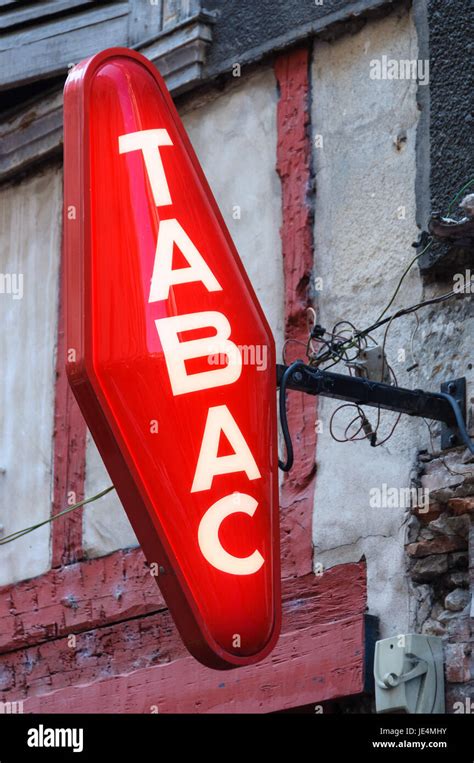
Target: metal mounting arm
point(447, 406)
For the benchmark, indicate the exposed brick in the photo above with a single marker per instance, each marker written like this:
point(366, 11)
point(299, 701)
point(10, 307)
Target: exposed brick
point(461, 505)
point(433, 628)
point(460, 699)
point(438, 477)
point(458, 561)
point(457, 600)
point(459, 629)
point(429, 568)
point(458, 580)
point(439, 554)
point(441, 545)
point(434, 510)
point(448, 525)
point(457, 663)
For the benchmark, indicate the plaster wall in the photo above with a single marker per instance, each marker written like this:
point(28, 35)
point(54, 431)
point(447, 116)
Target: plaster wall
point(30, 240)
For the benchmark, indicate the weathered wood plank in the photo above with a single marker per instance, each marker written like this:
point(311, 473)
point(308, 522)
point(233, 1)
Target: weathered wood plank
point(179, 55)
point(62, 27)
point(36, 133)
point(69, 461)
point(144, 21)
point(46, 50)
point(117, 587)
point(321, 655)
point(174, 12)
point(77, 597)
point(32, 135)
point(39, 11)
point(311, 664)
point(8, 3)
point(293, 163)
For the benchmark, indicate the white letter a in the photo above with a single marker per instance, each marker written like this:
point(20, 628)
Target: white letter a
point(220, 419)
point(170, 233)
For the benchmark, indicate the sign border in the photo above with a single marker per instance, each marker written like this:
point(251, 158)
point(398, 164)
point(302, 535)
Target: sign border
point(83, 381)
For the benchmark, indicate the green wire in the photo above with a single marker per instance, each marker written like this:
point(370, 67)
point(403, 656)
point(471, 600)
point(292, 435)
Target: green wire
point(25, 531)
point(405, 272)
point(470, 182)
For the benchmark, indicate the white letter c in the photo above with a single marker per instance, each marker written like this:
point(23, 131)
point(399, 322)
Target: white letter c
point(208, 535)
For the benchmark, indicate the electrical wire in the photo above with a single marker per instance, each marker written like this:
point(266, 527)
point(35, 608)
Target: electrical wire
point(26, 530)
point(403, 276)
point(451, 204)
point(346, 438)
point(285, 466)
point(399, 314)
point(412, 309)
point(291, 341)
point(382, 321)
point(337, 352)
point(334, 347)
point(412, 339)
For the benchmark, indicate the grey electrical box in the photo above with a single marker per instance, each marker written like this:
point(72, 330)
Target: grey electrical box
point(409, 677)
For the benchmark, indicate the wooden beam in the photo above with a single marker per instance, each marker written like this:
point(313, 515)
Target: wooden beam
point(39, 12)
point(77, 597)
point(321, 654)
point(310, 665)
point(180, 53)
point(34, 143)
point(36, 132)
point(69, 452)
point(117, 587)
point(293, 164)
point(144, 21)
point(46, 50)
point(9, 3)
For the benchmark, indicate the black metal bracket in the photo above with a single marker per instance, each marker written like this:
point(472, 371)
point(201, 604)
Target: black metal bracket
point(450, 436)
point(417, 402)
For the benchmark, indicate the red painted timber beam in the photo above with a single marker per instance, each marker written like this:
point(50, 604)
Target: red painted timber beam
point(320, 656)
point(294, 169)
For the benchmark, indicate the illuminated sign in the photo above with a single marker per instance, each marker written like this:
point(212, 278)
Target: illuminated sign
point(171, 358)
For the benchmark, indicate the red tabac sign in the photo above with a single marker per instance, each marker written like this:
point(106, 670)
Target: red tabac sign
point(171, 359)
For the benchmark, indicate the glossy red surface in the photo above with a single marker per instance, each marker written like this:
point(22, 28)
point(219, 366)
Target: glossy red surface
point(118, 369)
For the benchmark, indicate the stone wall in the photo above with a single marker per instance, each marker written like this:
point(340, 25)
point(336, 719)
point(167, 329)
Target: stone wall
point(440, 564)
